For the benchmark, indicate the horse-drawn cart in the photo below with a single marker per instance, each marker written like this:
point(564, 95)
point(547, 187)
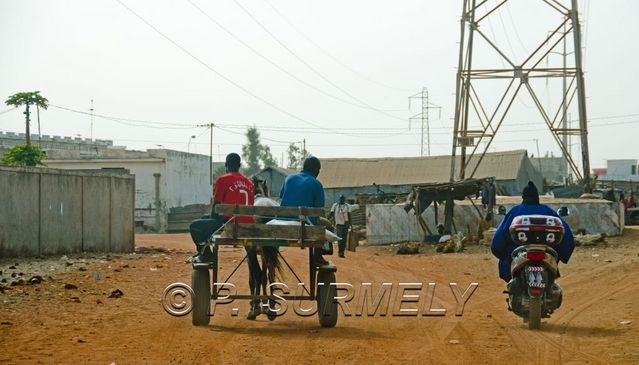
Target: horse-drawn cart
point(266, 237)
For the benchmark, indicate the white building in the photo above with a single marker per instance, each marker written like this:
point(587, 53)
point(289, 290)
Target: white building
point(164, 179)
point(621, 170)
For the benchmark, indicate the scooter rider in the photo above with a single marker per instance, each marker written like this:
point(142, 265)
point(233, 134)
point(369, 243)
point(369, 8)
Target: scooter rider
point(502, 245)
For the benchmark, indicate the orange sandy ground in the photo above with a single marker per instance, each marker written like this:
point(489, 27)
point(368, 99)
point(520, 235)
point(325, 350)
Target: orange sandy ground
point(43, 323)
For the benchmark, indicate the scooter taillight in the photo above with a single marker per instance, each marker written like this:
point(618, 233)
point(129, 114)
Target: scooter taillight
point(535, 256)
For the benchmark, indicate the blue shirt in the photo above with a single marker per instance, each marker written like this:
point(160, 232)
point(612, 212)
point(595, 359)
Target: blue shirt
point(302, 190)
point(503, 246)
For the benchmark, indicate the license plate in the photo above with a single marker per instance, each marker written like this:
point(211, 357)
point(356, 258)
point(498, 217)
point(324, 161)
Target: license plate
point(535, 275)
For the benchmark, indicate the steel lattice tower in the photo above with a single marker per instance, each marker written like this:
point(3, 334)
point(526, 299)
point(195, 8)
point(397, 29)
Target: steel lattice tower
point(475, 125)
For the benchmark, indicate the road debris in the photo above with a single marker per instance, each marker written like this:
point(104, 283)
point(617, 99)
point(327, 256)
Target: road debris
point(408, 249)
point(117, 293)
point(589, 239)
point(36, 279)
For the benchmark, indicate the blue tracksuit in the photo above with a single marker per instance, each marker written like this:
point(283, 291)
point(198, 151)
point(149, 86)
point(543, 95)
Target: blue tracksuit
point(302, 190)
point(503, 246)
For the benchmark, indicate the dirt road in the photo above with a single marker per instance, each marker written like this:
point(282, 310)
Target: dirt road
point(46, 323)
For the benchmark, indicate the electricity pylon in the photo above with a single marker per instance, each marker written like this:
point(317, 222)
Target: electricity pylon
point(424, 117)
point(486, 123)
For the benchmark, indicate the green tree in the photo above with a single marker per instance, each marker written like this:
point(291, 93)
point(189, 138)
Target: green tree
point(296, 156)
point(255, 154)
point(27, 99)
point(24, 155)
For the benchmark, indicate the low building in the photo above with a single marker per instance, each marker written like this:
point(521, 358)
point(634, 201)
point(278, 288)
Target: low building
point(274, 177)
point(621, 170)
point(85, 146)
point(350, 176)
point(553, 169)
point(164, 179)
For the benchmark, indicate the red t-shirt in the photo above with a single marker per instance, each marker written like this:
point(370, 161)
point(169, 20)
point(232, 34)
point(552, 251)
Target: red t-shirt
point(235, 188)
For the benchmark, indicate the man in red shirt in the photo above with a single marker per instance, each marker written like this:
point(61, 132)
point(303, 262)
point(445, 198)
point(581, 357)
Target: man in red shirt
point(230, 188)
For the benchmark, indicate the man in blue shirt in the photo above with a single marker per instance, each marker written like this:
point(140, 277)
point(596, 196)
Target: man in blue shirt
point(304, 190)
point(502, 245)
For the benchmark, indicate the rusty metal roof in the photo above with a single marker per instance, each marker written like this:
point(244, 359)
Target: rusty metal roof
point(353, 172)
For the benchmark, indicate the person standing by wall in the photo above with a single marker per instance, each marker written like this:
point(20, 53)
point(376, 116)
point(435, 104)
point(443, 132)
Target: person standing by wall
point(342, 213)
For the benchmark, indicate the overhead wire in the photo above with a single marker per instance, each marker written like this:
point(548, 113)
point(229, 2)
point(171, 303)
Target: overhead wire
point(329, 55)
point(510, 16)
point(219, 74)
point(130, 122)
point(315, 130)
point(309, 66)
point(273, 63)
point(8, 110)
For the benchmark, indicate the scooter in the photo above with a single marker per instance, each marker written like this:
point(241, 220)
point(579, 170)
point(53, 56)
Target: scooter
point(533, 293)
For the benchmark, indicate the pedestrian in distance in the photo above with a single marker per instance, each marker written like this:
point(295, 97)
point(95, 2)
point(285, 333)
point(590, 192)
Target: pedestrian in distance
point(341, 211)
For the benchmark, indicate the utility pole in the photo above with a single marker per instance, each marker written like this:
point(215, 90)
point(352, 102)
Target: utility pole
point(303, 150)
point(424, 117)
point(39, 135)
point(210, 126)
point(538, 156)
point(91, 110)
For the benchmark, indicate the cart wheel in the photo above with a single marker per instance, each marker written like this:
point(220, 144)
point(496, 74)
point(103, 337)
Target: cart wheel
point(201, 284)
point(326, 305)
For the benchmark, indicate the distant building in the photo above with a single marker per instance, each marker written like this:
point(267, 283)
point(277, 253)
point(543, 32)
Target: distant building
point(620, 170)
point(85, 146)
point(553, 169)
point(164, 178)
point(599, 171)
point(274, 177)
point(350, 176)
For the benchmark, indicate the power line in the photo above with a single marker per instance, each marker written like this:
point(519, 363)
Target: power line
point(6, 111)
point(273, 63)
point(329, 55)
point(219, 74)
point(130, 122)
point(521, 43)
point(317, 130)
point(315, 71)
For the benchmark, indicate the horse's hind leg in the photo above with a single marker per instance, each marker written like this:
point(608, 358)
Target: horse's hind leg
point(271, 255)
point(264, 277)
point(255, 277)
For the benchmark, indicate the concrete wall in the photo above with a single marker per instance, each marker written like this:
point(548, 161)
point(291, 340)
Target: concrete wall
point(183, 179)
point(553, 169)
point(390, 223)
point(187, 179)
point(51, 212)
point(527, 172)
point(143, 169)
point(274, 180)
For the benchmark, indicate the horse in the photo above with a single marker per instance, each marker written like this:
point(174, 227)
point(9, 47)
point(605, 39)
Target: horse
point(259, 277)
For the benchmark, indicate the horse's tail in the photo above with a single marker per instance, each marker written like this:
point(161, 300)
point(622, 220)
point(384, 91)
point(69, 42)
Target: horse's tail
point(272, 260)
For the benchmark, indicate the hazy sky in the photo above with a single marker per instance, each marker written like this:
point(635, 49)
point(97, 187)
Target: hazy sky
point(336, 73)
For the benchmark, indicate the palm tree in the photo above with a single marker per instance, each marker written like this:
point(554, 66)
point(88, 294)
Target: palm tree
point(27, 99)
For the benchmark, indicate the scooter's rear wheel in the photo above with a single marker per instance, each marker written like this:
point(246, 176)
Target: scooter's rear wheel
point(534, 313)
